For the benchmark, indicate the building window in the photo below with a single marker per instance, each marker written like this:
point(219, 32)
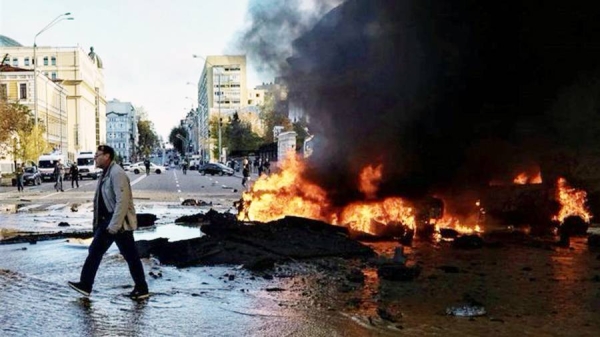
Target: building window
point(53, 76)
point(45, 60)
point(3, 91)
point(27, 61)
point(53, 60)
point(15, 62)
point(23, 91)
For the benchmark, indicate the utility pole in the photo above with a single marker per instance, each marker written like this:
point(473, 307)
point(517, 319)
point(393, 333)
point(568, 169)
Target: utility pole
point(220, 94)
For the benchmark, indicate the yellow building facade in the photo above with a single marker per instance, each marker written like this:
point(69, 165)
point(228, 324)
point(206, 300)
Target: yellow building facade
point(81, 75)
point(17, 85)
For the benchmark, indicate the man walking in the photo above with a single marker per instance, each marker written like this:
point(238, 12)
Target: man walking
point(114, 221)
point(74, 173)
point(58, 176)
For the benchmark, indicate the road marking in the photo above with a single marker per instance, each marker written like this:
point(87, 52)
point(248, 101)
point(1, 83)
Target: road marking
point(26, 208)
point(49, 195)
point(56, 207)
point(137, 180)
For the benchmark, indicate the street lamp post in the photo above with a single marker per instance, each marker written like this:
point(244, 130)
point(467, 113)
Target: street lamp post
point(65, 16)
point(219, 125)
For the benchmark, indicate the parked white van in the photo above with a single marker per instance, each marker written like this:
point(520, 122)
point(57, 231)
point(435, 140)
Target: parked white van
point(46, 163)
point(87, 165)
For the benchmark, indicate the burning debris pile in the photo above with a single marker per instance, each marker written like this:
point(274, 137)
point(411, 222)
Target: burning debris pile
point(533, 204)
point(257, 246)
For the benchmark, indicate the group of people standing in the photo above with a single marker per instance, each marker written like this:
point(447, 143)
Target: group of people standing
point(59, 168)
point(259, 166)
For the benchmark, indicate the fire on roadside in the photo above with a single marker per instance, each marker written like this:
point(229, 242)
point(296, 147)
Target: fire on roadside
point(524, 178)
point(572, 202)
point(287, 193)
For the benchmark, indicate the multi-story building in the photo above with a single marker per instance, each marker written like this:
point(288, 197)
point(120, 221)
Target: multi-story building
point(82, 77)
point(16, 85)
point(221, 92)
point(251, 112)
point(121, 129)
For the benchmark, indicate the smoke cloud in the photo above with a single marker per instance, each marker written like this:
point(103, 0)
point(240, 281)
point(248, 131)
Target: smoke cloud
point(447, 95)
point(273, 25)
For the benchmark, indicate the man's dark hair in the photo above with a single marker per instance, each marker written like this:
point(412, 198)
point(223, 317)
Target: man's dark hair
point(107, 149)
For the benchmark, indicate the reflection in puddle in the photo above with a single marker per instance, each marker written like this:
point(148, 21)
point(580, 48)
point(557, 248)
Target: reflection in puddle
point(172, 232)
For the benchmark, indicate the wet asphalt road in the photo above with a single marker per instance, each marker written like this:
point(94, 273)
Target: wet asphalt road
point(172, 186)
point(199, 301)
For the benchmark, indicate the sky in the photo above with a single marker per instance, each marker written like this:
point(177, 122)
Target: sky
point(146, 45)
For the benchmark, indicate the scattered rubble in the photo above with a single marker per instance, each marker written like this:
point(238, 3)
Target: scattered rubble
point(146, 219)
point(258, 246)
point(194, 202)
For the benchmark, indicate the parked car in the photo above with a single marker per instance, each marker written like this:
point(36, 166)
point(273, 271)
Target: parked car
point(139, 167)
point(126, 166)
point(215, 168)
point(32, 176)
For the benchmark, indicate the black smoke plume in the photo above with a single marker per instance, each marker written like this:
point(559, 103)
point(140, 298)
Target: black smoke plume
point(448, 95)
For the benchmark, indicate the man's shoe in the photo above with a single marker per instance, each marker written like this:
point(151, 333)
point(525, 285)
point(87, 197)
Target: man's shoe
point(139, 294)
point(80, 288)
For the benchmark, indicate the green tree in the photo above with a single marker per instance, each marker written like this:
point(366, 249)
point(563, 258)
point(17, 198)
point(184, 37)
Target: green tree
point(239, 135)
point(18, 129)
point(214, 134)
point(178, 144)
point(147, 138)
point(32, 144)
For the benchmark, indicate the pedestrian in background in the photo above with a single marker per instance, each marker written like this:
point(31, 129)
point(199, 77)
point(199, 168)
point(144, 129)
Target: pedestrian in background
point(245, 173)
point(114, 221)
point(74, 173)
point(184, 166)
point(58, 176)
point(267, 167)
point(20, 171)
point(147, 165)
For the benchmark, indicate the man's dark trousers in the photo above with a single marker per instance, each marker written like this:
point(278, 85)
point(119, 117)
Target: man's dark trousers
point(100, 244)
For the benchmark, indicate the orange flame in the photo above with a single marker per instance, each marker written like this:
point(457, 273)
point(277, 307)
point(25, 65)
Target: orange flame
point(524, 178)
point(284, 193)
point(359, 215)
point(288, 193)
point(370, 177)
point(572, 201)
point(454, 223)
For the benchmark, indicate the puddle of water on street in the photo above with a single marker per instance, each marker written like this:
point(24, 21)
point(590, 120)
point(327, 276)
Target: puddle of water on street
point(184, 302)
